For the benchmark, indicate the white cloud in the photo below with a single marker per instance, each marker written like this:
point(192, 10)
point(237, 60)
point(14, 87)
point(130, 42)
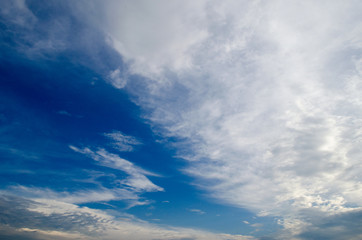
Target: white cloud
point(137, 180)
point(41, 234)
point(122, 142)
point(198, 211)
point(80, 196)
point(117, 79)
point(269, 108)
point(86, 223)
point(154, 37)
point(256, 225)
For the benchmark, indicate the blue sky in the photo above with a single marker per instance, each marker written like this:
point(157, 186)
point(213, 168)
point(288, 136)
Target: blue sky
point(180, 120)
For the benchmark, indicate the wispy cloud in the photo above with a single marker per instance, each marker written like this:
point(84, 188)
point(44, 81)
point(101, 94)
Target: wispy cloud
point(63, 112)
point(198, 211)
point(42, 37)
point(137, 180)
point(117, 78)
point(122, 142)
point(101, 194)
point(17, 13)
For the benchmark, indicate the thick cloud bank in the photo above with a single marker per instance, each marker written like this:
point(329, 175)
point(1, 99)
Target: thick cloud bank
point(265, 98)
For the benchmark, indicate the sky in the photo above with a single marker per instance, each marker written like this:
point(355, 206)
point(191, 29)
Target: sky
point(180, 120)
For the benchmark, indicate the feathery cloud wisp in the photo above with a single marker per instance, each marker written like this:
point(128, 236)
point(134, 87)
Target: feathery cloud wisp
point(122, 142)
point(136, 180)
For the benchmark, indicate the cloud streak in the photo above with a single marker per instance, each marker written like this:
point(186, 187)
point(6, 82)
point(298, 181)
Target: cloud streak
point(197, 211)
point(137, 180)
point(101, 194)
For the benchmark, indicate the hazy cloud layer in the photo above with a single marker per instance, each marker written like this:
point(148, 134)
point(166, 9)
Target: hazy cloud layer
point(45, 218)
point(155, 37)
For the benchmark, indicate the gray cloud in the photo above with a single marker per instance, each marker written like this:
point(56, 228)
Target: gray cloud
point(341, 226)
point(15, 214)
